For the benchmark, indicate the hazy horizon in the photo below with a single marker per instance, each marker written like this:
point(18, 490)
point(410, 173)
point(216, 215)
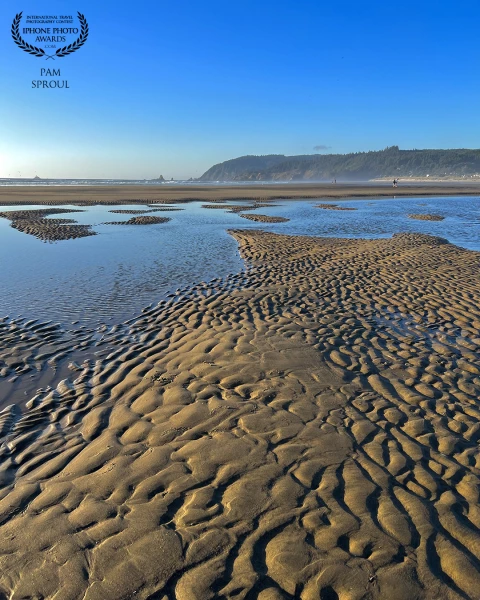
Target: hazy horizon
point(167, 179)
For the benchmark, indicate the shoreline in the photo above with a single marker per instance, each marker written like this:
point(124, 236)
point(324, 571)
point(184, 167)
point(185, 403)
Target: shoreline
point(308, 424)
point(123, 194)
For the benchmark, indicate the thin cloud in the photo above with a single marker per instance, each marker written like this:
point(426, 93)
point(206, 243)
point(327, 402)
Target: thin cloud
point(322, 147)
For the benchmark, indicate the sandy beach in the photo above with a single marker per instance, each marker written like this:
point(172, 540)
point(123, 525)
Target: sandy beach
point(306, 429)
point(124, 194)
point(240, 302)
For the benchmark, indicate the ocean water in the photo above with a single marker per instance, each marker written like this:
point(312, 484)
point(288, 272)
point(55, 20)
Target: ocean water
point(18, 181)
point(11, 181)
point(110, 277)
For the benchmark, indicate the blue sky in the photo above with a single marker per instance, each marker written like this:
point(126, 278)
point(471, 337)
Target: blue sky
point(173, 87)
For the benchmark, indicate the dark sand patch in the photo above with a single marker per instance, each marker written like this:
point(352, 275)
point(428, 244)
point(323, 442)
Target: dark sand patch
point(32, 222)
point(334, 207)
point(426, 217)
point(143, 220)
point(142, 212)
point(229, 207)
point(236, 208)
point(265, 218)
point(13, 215)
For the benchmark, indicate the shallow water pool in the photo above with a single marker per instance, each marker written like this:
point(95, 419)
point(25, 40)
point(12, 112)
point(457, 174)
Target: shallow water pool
point(111, 276)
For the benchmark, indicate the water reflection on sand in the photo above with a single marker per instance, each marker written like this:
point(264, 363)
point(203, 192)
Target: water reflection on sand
point(111, 276)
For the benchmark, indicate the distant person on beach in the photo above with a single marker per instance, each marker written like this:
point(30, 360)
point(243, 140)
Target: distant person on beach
point(395, 181)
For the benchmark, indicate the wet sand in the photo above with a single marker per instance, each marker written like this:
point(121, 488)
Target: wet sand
point(265, 219)
point(33, 222)
point(142, 220)
point(424, 217)
point(164, 194)
point(334, 207)
point(306, 429)
point(237, 208)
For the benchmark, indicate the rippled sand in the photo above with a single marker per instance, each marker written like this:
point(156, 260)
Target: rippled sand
point(265, 219)
point(334, 207)
point(424, 217)
point(33, 222)
point(308, 429)
point(142, 220)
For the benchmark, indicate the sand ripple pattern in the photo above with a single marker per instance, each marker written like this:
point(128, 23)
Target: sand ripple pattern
point(425, 217)
point(334, 207)
point(33, 222)
point(308, 429)
point(265, 218)
point(142, 220)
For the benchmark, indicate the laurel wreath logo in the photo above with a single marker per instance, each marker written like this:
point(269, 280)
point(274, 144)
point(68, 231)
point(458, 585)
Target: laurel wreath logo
point(21, 43)
point(78, 43)
point(61, 52)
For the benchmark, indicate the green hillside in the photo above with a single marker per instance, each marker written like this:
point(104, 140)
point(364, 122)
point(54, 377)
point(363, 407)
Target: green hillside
point(391, 162)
